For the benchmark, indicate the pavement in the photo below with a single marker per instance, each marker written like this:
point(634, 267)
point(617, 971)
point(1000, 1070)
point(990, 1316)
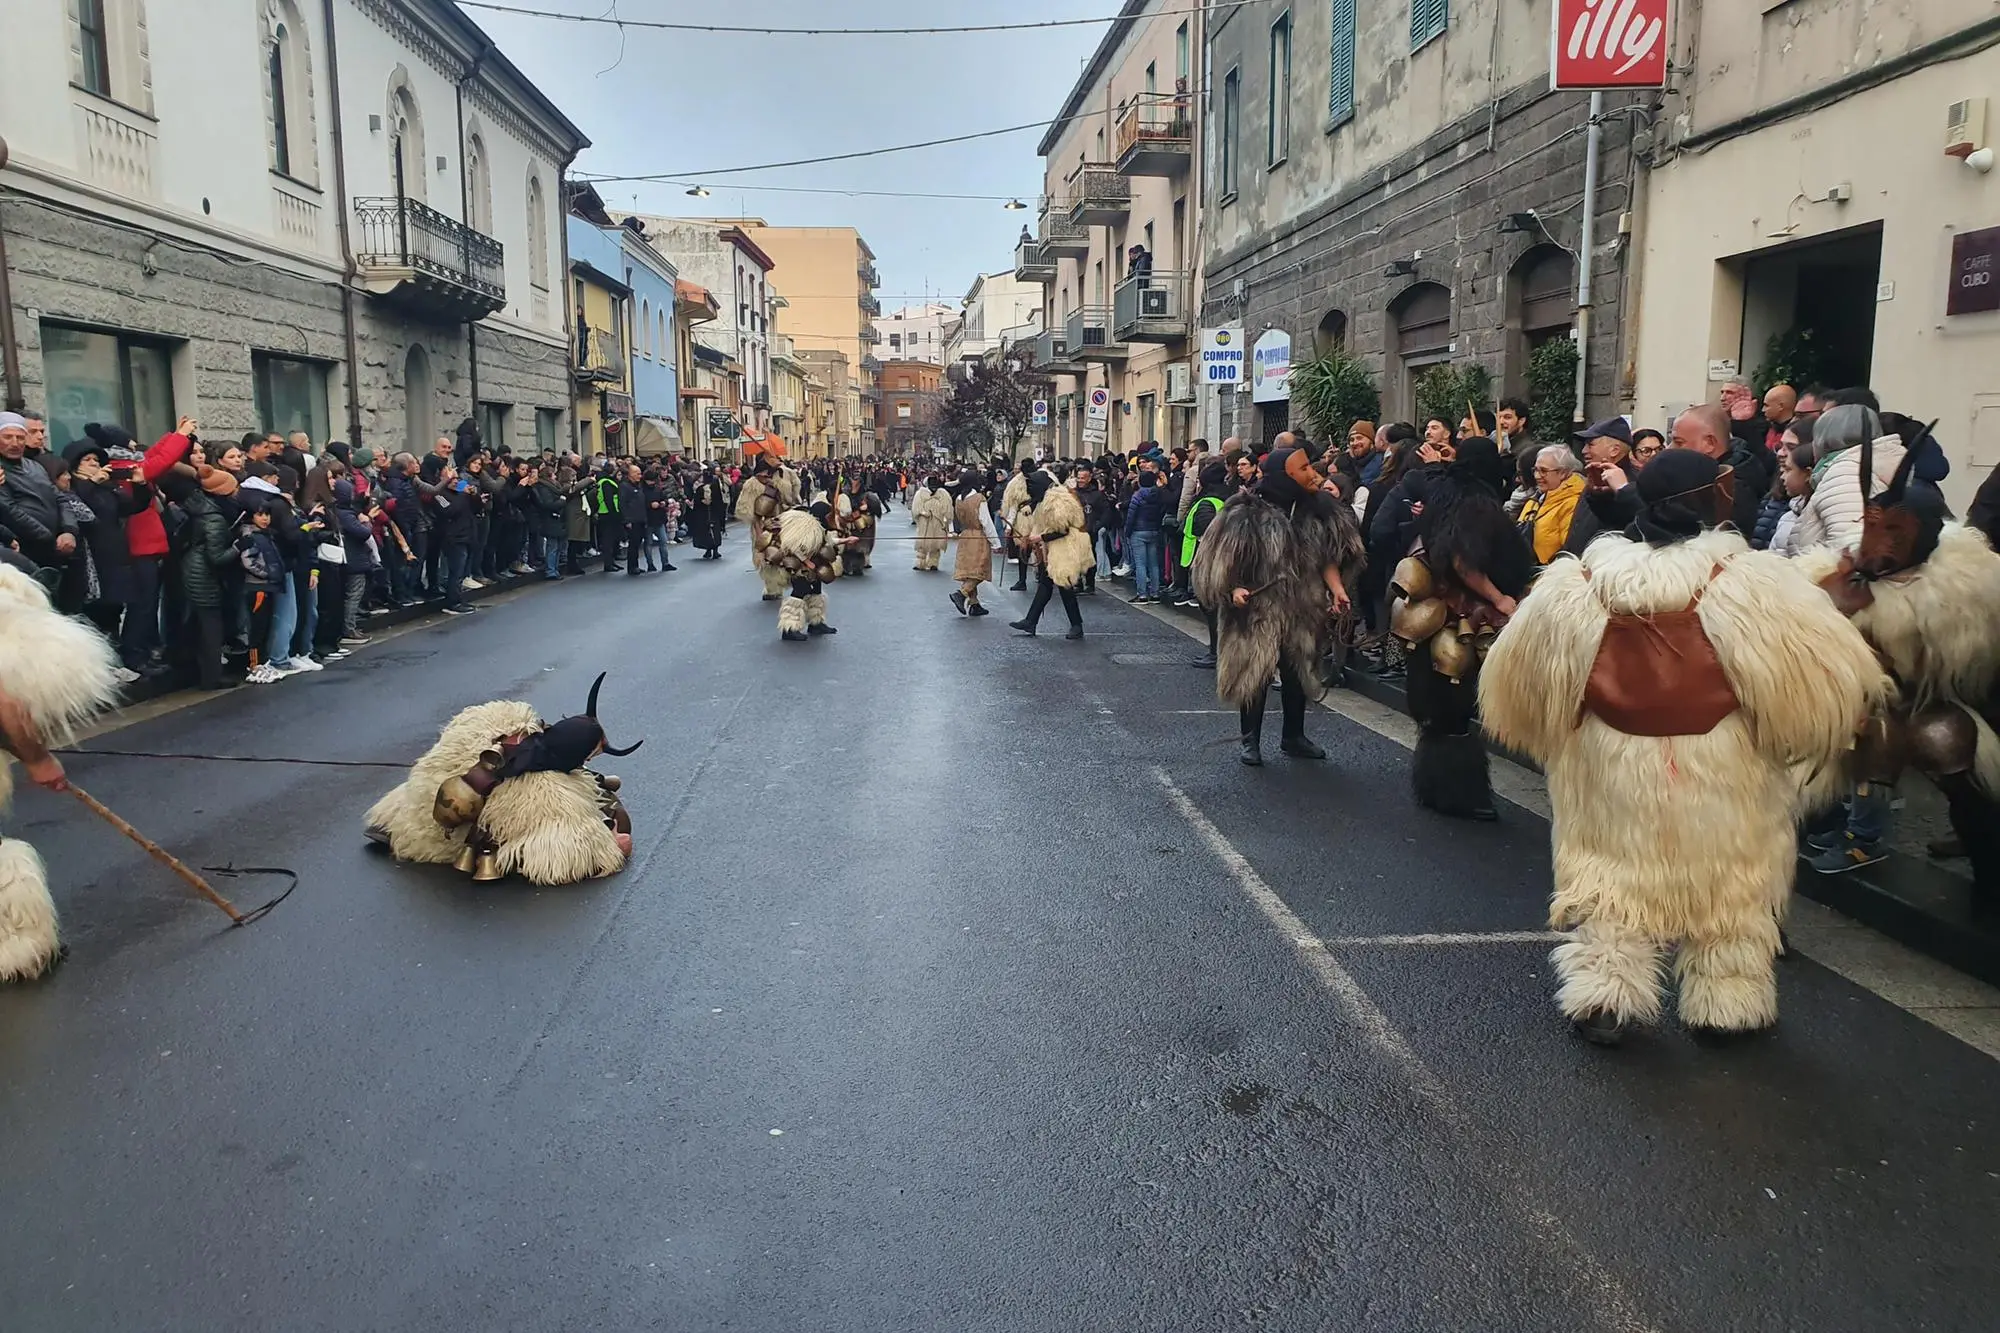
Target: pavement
point(960, 981)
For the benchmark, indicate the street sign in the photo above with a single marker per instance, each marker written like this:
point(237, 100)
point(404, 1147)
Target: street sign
point(721, 425)
point(1098, 408)
point(1222, 356)
point(1609, 44)
point(1271, 367)
point(1041, 411)
point(1094, 435)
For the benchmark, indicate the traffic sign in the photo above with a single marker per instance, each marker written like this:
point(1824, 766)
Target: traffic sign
point(1041, 411)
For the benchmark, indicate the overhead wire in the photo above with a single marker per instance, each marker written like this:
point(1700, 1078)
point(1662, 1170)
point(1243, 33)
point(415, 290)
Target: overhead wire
point(1024, 25)
point(815, 161)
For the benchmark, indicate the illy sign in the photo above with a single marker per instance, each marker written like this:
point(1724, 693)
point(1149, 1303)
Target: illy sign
point(1610, 44)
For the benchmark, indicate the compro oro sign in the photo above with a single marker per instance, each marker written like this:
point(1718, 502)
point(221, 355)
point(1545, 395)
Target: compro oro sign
point(1222, 356)
point(1610, 44)
point(1271, 367)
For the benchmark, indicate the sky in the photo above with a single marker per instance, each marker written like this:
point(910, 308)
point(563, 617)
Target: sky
point(696, 103)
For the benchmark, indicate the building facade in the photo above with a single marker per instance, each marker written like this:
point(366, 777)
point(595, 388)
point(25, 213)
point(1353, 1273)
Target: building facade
point(1400, 182)
point(694, 304)
point(601, 363)
point(189, 185)
point(995, 303)
point(916, 333)
point(721, 257)
point(1817, 209)
point(842, 402)
point(653, 345)
point(912, 402)
point(1118, 250)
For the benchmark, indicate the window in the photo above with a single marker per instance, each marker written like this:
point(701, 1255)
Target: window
point(106, 377)
point(1181, 51)
point(1232, 96)
point(646, 329)
point(281, 135)
point(538, 234)
point(1278, 136)
point(1340, 93)
point(548, 420)
point(478, 185)
point(495, 421)
point(666, 348)
point(406, 140)
point(1152, 85)
point(895, 342)
point(1427, 20)
point(90, 31)
point(291, 395)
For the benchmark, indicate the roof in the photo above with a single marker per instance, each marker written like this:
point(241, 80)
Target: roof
point(1100, 61)
point(489, 57)
point(741, 239)
point(694, 294)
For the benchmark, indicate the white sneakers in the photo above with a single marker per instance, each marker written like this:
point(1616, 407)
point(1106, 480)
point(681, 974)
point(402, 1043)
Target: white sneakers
point(264, 674)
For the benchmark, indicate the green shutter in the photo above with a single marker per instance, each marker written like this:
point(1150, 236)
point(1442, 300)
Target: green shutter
point(1340, 101)
point(1427, 20)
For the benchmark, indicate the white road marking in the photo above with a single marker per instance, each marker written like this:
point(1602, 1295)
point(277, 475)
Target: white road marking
point(1614, 1307)
point(1437, 941)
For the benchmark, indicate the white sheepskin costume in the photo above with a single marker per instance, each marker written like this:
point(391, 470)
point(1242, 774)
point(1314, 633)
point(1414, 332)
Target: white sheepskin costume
point(1684, 840)
point(60, 671)
point(1059, 521)
point(549, 826)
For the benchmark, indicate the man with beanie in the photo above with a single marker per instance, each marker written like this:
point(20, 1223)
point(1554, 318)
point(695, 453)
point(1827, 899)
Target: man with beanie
point(32, 509)
point(1666, 660)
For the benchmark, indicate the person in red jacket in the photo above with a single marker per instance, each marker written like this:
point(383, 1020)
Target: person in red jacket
point(139, 641)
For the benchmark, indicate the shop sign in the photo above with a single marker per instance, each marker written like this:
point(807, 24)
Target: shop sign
point(1271, 367)
point(1609, 44)
point(1975, 273)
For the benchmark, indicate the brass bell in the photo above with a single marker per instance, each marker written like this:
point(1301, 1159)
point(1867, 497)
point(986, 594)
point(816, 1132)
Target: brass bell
point(1450, 655)
point(487, 869)
point(1415, 621)
point(467, 859)
point(457, 803)
point(1413, 576)
point(610, 781)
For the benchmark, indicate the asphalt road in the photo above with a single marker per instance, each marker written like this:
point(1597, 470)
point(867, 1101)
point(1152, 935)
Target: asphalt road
point(955, 984)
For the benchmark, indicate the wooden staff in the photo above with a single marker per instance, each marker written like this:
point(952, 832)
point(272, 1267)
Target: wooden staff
point(158, 853)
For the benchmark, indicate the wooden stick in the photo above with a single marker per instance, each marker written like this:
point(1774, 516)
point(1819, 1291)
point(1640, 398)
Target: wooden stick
point(157, 852)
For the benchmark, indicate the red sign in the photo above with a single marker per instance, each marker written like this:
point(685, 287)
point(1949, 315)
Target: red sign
point(1610, 44)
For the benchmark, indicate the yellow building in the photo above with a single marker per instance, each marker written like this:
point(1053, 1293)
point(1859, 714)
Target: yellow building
point(599, 369)
point(693, 304)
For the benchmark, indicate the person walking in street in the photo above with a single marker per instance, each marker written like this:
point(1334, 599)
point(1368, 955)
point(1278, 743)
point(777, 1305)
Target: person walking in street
point(930, 511)
point(978, 542)
point(708, 513)
point(1213, 494)
point(1060, 546)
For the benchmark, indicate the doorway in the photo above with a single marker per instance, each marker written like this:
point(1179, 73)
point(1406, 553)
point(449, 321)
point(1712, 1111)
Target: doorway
point(417, 400)
point(1809, 310)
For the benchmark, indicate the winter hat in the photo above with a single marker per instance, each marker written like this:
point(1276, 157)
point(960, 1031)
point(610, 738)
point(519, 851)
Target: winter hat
point(363, 456)
point(13, 421)
point(1214, 474)
point(339, 450)
point(215, 481)
point(1676, 497)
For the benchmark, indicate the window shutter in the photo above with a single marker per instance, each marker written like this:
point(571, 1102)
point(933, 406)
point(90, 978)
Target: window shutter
point(1427, 20)
point(1341, 97)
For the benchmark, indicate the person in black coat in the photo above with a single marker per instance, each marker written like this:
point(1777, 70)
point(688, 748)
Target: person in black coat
point(91, 481)
point(547, 507)
point(633, 514)
point(456, 507)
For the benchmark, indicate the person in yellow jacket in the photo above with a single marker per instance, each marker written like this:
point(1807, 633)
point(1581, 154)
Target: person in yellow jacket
point(1546, 518)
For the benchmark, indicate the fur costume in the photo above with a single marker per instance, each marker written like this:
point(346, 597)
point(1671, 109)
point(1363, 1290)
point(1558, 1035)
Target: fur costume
point(764, 497)
point(809, 551)
point(1059, 523)
point(1279, 553)
point(550, 827)
point(58, 673)
point(930, 508)
point(1683, 839)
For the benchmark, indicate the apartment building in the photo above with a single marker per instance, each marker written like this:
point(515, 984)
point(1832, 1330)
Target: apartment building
point(189, 185)
point(721, 257)
point(1400, 181)
point(994, 303)
point(1117, 252)
point(916, 333)
point(912, 402)
point(1820, 202)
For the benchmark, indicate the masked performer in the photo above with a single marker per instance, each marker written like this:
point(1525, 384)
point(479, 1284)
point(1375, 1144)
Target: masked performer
point(1274, 566)
point(769, 492)
point(1059, 544)
point(1462, 579)
point(855, 514)
point(930, 509)
point(810, 551)
point(1926, 595)
point(55, 675)
point(1688, 698)
point(503, 793)
point(1016, 511)
point(978, 542)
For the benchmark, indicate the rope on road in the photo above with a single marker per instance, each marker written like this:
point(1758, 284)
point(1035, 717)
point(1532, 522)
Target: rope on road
point(239, 758)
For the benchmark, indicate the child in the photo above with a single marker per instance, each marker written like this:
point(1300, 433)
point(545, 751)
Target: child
point(262, 568)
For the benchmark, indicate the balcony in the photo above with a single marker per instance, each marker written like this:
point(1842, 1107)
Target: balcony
point(1155, 140)
point(1033, 261)
point(1052, 354)
point(1089, 335)
point(870, 279)
point(1150, 308)
point(869, 305)
point(870, 335)
point(600, 357)
point(1061, 238)
point(413, 256)
point(759, 395)
point(1099, 196)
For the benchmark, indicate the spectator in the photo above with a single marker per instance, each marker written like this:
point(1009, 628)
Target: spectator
point(204, 552)
point(1746, 422)
point(1546, 518)
point(38, 433)
point(92, 485)
point(1781, 404)
point(410, 538)
point(1481, 423)
point(1812, 402)
point(1143, 514)
point(1777, 504)
point(1801, 455)
point(1512, 422)
point(546, 505)
point(456, 504)
point(1647, 444)
point(1831, 515)
point(263, 574)
point(631, 507)
point(1099, 522)
point(264, 487)
point(32, 509)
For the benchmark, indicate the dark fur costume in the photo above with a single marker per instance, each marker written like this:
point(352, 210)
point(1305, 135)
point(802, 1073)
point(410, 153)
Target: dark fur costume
point(1277, 550)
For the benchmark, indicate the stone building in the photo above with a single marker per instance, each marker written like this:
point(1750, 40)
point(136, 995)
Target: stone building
point(188, 186)
point(1400, 181)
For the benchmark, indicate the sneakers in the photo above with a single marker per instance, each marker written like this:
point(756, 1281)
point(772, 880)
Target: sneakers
point(958, 601)
point(265, 674)
point(1848, 855)
point(458, 610)
point(334, 656)
point(355, 641)
point(124, 675)
point(1120, 571)
point(470, 584)
point(1825, 842)
point(1143, 600)
point(301, 664)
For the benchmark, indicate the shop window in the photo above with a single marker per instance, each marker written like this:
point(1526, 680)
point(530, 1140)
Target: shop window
point(106, 377)
point(291, 395)
point(548, 426)
point(495, 425)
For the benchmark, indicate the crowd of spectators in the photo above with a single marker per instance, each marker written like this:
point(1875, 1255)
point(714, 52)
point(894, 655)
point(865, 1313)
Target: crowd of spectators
point(263, 557)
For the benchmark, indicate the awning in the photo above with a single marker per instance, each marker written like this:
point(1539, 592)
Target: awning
point(699, 393)
point(755, 442)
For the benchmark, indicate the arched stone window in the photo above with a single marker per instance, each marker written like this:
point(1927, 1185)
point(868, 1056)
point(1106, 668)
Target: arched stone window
point(1331, 335)
point(478, 182)
point(1541, 306)
point(538, 233)
point(407, 162)
point(417, 400)
point(1419, 336)
point(290, 117)
point(646, 329)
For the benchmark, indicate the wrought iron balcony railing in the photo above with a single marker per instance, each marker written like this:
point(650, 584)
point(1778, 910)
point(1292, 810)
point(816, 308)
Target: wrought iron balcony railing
point(1155, 139)
point(409, 251)
point(600, 356)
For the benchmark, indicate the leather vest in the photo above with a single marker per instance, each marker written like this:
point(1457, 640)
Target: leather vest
point(1658, 675)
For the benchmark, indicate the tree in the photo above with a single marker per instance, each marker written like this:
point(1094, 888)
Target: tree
point(991, 408)
point(1333, 391)
point(1446, 391)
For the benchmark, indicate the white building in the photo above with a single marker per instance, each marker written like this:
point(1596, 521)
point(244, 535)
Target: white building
point(996, 303)
point(916, 333)
point(722, 257)
point(189, 180)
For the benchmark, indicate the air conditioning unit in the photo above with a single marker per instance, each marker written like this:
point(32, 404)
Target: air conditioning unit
point(1155, 303)
point(1180, 382)
point(1966, 132)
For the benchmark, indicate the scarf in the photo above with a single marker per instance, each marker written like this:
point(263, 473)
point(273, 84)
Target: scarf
point(84, 516)
point(1548, 516)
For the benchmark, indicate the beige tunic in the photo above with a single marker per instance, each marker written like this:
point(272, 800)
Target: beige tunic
point(973, 562)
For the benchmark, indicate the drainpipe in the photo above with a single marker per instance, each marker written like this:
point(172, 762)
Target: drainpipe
point(465, 215)
point(1586, 250)
point(572, 316)
point(350, 271)
point(10, 354)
